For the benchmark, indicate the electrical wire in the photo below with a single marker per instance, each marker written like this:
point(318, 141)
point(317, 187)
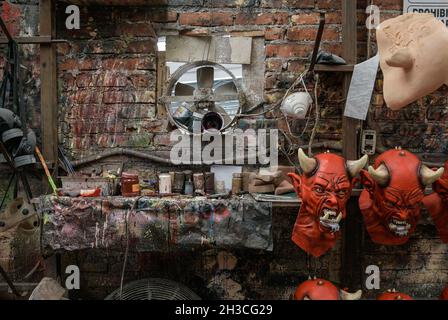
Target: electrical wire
point(317, 109)
point(126, 252)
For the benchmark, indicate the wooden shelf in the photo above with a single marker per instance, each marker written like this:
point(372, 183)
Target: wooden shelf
point(331, 68)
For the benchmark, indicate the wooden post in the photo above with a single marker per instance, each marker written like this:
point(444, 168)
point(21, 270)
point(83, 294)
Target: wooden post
point(351, 274)
point(48, 94)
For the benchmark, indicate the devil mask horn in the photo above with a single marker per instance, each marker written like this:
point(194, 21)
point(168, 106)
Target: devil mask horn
point(306, 163)
point(380, 175)
point(350, 296)
point(429, 176)
point(354, 166)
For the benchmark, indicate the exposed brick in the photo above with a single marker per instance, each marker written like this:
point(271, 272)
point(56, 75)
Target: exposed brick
point(231, 3)
point(206, 19)
point(288, 50)
point(86, 80)
point(274, 33)
point(271, 3)
point(310, 34)
point(389, 4)
point(141, 29)
point(142, 46)
point(329, 4)
point(296, 66)
point(112, 79)
point(161, 15)
point(300, 4)
point(141, 80)
point(306, 18)
point(279, 18)
point(274, 65)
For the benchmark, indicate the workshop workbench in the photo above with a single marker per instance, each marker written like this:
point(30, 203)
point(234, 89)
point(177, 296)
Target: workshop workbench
point(155, 224)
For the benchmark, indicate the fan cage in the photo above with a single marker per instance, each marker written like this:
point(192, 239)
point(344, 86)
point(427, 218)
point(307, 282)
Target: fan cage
point(153, 289)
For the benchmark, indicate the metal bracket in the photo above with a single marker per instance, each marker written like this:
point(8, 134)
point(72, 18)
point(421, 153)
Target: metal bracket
point(368, 142)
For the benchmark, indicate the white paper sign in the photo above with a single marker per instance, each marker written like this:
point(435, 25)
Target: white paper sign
point(439, 8)
point(361, 88)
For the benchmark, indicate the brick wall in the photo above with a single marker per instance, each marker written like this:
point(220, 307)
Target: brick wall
point(106, 84)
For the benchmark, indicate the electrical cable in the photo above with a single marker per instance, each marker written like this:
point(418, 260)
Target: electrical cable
point(126, 252)
point(316, 122)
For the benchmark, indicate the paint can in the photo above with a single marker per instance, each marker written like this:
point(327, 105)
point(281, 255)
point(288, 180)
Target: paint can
point(209, 182)
point(179, 180)
point(130, 186)
point(164, 183)
point(199, 183)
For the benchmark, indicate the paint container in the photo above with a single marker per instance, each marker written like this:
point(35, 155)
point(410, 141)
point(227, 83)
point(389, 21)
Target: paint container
point(164, 183)
point(130, 186)
point(199, 183)
point(172, 173)
point(209, 182)
point(220, 187)
point(237, 183)
point(179, 180)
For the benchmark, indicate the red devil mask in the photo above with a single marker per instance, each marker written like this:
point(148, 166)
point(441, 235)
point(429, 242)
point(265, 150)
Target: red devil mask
point(324, 188)
point(393, 295)
point(394, 189)
point(437, 204)
point(444, 295)
point(320, 289)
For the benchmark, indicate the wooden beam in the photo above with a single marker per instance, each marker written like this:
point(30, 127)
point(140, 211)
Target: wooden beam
point(32, 40)
point(48, 95)
point(351, 274)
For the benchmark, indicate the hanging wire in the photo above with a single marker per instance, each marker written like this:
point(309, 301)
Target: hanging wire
point(317, 109)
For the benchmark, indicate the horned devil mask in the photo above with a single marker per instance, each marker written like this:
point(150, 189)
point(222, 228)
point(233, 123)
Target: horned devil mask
point(324, 188)
point(437, 204)
point(320, 289)
point(393, 192)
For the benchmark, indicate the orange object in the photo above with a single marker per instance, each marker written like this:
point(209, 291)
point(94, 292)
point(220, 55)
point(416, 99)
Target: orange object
point(90, 192)
point(393, 295)
point(130, 186)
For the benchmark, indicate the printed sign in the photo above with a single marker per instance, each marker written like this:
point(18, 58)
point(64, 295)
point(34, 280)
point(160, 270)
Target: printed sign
point(439, 8)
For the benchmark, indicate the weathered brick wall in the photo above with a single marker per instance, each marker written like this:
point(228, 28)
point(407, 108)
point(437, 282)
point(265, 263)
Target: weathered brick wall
point(107, 81)
point(106, 89)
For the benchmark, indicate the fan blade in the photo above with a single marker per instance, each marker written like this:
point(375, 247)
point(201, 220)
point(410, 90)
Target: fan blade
point(222, 112)
point(205, 77)
point(183, 89)
point(226, 89)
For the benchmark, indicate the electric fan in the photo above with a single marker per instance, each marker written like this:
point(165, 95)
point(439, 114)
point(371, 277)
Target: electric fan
point(206, 103)
point(153, 289)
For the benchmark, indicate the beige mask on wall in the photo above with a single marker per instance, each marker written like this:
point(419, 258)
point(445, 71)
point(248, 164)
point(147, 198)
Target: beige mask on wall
point(413, 52)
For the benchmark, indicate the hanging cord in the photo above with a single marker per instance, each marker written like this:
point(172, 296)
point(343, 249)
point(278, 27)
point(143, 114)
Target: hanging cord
point(278, 103)
point(126, 252)
point(317, 109)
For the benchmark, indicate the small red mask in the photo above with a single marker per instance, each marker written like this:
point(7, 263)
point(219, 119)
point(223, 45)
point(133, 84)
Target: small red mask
point(394, 295)
point(437, 204)
point(392, 196)
point(324, 188)
point(444, 295)
point(320, 289)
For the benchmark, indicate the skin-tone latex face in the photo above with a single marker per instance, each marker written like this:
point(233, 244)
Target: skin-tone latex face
point(324, 188)
point(393, 191)
point(413, 57)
